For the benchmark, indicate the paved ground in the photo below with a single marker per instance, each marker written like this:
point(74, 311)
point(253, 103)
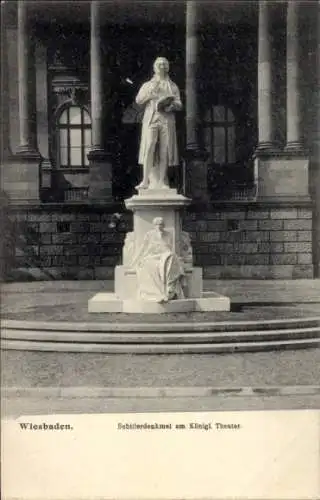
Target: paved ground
point(243, 291)
point(15, 406)
point(68, 300)
point(42, 369)
point(57, 300)
point(77, 312)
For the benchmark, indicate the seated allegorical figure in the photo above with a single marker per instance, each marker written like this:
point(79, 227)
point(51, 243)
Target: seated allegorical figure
point(160, 271)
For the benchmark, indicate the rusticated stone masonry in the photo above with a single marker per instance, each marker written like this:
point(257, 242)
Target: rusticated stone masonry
point(253, 242)
point(243, 241)
point(68, 245)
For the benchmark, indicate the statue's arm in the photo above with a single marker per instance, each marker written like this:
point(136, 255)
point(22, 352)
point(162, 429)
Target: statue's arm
point(146, 93)
point(176, 105)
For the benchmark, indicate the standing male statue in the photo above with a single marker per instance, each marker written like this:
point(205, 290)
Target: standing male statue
point(158, 145)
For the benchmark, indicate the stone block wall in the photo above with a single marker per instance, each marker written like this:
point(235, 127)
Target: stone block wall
point(229, 241)
point(68, 244)
point(252, 241)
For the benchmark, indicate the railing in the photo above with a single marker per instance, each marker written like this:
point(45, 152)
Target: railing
point(234, 192)
point(76, 194)
point(231, 182)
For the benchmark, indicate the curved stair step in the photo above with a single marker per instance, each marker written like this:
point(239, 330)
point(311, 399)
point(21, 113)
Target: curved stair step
point(158, 338)
point(162, 348)
point(168, 327)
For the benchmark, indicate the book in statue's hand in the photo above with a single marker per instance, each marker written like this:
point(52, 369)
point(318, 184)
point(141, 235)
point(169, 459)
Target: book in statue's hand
point(164, 102)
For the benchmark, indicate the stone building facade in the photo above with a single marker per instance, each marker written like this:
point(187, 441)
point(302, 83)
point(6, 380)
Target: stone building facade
point(249, 135)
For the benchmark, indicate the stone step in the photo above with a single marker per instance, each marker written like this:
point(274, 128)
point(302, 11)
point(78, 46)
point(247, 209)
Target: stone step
point(161, 337)
point(131, 338)
point(163, 327)
point(151, 348)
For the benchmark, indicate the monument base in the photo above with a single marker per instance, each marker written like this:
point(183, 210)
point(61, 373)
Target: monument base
point(110, 303)
point(126, 282)
point(165, 204)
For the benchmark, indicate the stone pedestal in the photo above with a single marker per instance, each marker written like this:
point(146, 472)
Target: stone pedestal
point(282, 176)
point(196, 176)
point(100, 178)
point(21, 177)
point(146, 206)
point(151, 203)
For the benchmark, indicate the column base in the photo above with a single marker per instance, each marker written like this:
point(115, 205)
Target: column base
point(295, 147)
point(100, 176)
point(267, 147)
point(27, 152)
point(193, 151)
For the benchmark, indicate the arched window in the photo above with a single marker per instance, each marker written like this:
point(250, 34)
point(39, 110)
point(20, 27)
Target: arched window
point(219, 135)
point(74, 137)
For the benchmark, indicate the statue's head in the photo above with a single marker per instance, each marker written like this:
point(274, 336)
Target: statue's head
point(161, 66)
point(158, 222)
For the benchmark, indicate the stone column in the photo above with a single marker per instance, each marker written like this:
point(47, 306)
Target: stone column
point(100, 184)
point(196, 168)
point(316, 151)
point(96, 76)
point(21, 175)
point(5, 98)
point(265, 128)
point(293, 91)
point(191, 74)
point(26, 83)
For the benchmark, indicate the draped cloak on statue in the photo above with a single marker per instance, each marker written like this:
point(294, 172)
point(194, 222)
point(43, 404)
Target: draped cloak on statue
point(146, 97)
point(159, 270)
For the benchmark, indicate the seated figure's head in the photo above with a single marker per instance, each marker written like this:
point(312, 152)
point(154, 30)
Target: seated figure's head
point(161, 66)
point(158, 222)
